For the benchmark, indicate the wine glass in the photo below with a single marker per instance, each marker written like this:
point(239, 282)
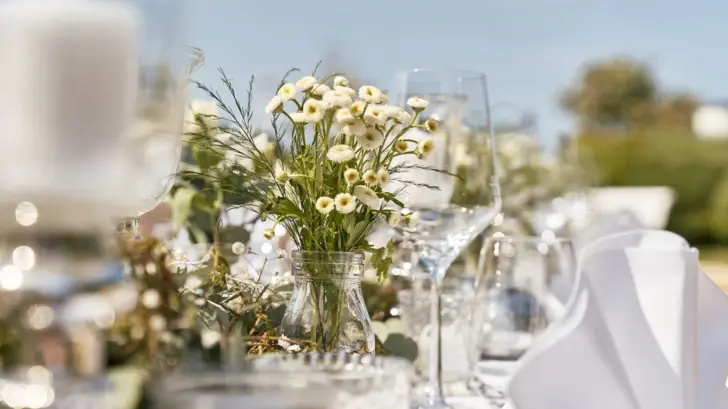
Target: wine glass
point(157, 152)
point(524, 284)
point(450, 218)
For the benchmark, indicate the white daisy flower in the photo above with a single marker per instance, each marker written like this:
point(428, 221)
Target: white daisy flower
point(314, 110)
point(282, 174)
point(357, 108)
point(403, 117)
point(287, 92)
point(269, 234)
point(340, 81)
point(340, 153)
point(238, 248)
point(357, 129)
point(394, 219)
point(345, 203)
point(370, 178)
point(431, 125)
point(351, 176)
point(371, 139)
point(417, 104)
point(337, 99)
point(412, 219)
point(374, 115)
point(275, 105)
point(367, 196)
point(383, 99)
point(320, 89)
point(345, 89)
point(306, 83)
point(300, 117)
point(383, 176)
point(401, 146)
point(370, 94)
point(325, 204)
point(344, 117)
point(425, 147)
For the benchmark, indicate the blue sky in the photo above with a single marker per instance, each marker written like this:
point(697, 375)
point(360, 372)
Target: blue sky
point(530, 49)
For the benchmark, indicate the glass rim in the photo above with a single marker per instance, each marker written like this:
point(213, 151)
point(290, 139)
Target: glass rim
point(530, 239)
point(349, 257)
point(460, 73)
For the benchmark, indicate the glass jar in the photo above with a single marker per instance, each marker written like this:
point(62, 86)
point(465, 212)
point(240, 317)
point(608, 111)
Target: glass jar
point(327, 310)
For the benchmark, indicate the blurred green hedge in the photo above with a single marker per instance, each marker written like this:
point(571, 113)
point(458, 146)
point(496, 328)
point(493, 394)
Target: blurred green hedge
point(696, 169)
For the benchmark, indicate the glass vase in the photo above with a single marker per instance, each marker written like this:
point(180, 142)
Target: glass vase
point(327, 310)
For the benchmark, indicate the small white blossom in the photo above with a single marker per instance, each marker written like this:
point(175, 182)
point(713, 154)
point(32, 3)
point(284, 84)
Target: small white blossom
point(370, 94)
point(383, 176)
point(346, 90)
point(371, 139)
point(345, 203)
point(287, 92)
point(383, 99)
point(314, 110)
point(340, 81)
point(340, 153)
point(209, 338)
point(275, 105)
point(370, 178)
point(333, 99)
point(357, 108)
point(403, 117)
point(367, 196)
point(282, 174)
point(374, 115)
point(344, 117)
point(425, 147)
point(320, 89)
point(300, 117)
point(351, 176)
point(412, 219)
point(193, 282)
point(151, 299)
point(417, 104)
point(394, 219)
point(306, 83)
point(157, 323)
point(325, 204)
point(357, 129)
point(269, 234)
point(430, 125)
point(401, 146)
point(284, 342)
point(238, 248)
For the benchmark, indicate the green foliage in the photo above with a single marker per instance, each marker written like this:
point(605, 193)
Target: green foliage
point(697, 170)
point(621, 94)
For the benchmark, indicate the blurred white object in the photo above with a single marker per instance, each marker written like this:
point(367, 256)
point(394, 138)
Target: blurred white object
point(604, 226)
point(629, 338)
point(69, 80)
point(651, 204)
point(711, 122)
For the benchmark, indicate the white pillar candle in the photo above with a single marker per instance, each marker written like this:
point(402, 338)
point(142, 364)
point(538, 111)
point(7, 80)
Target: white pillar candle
point(68, 84)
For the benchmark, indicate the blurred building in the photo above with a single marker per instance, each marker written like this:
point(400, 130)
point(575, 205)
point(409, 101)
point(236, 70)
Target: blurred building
point(710, 121)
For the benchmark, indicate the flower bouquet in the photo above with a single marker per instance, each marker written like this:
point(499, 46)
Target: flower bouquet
point(326, 182)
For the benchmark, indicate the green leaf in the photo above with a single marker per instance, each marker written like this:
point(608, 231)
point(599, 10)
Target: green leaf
point(205, 156)
point(401, 346)
point(357, 233)
point(287, 209)
point(182, 206)
point(390, 197)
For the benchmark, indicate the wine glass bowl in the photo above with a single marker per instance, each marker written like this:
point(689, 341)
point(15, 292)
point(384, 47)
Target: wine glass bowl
point(454, 192)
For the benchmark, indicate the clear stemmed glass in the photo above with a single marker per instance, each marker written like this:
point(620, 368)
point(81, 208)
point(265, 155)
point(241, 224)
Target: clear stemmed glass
point(524, 284)
point(156, 151)
point(449, 219)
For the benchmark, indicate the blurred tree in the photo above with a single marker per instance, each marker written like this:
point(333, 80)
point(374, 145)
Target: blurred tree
point(676, 111)
point(615, 94)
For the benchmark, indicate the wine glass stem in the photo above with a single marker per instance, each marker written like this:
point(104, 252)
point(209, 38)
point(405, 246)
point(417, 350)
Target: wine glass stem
point(435, 361)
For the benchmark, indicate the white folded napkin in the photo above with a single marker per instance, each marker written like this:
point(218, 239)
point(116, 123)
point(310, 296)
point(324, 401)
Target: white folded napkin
point(630, 338)
point(606, 225)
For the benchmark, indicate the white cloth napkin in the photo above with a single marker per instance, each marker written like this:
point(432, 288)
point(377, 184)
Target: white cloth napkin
point(630, 338)
point(606, 225)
